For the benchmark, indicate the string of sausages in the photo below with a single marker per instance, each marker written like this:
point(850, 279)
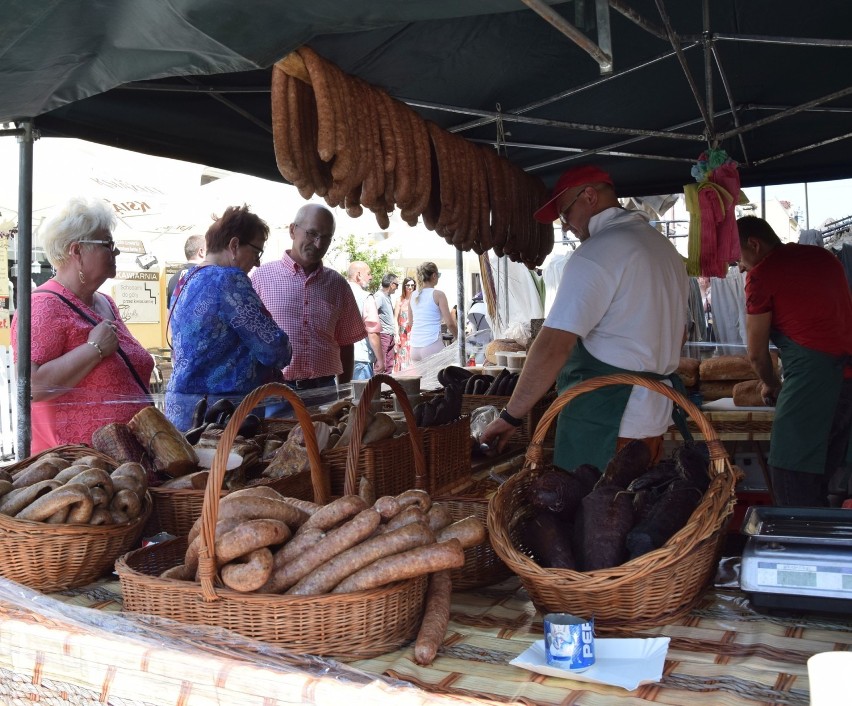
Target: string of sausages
point(350, 142)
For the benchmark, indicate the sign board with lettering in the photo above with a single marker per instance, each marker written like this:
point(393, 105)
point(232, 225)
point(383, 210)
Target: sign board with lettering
point(137, 295)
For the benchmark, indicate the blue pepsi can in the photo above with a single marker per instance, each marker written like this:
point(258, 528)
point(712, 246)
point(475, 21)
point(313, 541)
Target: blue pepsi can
point(569, 641)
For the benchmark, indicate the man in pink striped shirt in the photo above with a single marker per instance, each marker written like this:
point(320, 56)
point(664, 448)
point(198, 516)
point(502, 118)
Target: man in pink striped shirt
point(312, 303)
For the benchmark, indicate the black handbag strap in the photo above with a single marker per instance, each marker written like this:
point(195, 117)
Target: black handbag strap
point(90, 320)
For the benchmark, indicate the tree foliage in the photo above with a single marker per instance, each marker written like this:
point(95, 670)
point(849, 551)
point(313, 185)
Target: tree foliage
point(357, 248)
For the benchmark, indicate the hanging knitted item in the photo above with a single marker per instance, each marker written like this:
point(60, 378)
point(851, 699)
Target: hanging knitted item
point(713, 241)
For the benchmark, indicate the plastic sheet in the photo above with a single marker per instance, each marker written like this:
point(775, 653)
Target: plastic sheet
point(124, 657)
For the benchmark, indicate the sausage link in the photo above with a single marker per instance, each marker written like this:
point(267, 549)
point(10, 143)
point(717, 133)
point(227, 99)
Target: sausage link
point(95, 478)
point(469, 531)
point(405, 565)
point(128, 502)
point(16, 500)
point(387, 506)
point(60, 517)
point(69, 496)
point(349, 534)
point(335, 512)
point(436, 617)
point(39, 471)
point(248, 536)
point(249, 574)
point(439, 517)
point(326, 576)
point(410, 514)
point(69, 472)
point(292, 549)
point(411, 497)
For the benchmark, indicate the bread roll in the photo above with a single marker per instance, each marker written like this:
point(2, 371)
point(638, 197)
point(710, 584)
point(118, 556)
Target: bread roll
point(726, 367)
point(747, 394)
point(688, 371)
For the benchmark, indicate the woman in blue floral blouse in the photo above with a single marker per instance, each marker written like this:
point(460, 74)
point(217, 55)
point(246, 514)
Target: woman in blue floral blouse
point(224, 342)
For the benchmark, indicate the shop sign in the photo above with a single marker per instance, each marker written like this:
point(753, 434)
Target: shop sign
point(137, 295)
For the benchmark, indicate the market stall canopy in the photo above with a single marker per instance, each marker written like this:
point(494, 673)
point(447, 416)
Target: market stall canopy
point(767, 79)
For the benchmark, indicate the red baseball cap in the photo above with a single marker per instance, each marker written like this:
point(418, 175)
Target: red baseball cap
point(577, 176)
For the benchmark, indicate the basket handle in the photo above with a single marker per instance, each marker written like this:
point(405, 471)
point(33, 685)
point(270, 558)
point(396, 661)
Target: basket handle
point(350, 485)
point(535, 451)
point(212, 493)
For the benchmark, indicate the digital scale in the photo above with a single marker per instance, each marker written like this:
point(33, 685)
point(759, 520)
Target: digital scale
point(798, 559)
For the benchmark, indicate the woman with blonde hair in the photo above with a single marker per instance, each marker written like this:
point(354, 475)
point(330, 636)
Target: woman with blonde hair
point(430, 309)
point(87, 368)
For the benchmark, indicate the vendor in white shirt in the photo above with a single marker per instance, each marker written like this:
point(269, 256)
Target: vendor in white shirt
point(621, 307)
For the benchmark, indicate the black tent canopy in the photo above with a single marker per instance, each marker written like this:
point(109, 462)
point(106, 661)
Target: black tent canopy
point(767, 80)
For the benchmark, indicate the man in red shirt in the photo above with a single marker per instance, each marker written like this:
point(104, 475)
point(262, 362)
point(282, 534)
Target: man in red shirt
point(797, 296)
point(313, 304)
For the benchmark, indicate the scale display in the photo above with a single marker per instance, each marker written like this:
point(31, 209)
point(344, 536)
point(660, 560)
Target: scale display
point(827, 578)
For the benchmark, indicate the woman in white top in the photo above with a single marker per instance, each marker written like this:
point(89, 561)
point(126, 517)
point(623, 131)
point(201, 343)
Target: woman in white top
point(430, 309)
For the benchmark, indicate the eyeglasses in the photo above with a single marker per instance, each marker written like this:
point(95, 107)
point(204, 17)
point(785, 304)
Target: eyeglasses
point(318, 238)
point(108, 244)
point(410, 285)
point(563, 214)
point(254, 247)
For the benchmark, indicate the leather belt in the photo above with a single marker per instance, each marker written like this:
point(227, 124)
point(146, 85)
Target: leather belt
point(310, 383)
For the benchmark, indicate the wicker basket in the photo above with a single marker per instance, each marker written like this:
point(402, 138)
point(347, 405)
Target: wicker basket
point(447, 450)
point(177, 509)
point(645, 592)
point(347, 626)
point(482, 566)
point(57, 557)
point(391, 465)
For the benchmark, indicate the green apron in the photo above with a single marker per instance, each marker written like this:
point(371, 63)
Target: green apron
point(587, 427)
point(805, 407)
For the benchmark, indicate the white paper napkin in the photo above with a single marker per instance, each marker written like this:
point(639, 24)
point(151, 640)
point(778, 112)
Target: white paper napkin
point(624, 662)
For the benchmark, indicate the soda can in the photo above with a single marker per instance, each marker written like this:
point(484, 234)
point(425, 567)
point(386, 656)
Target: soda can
point(569, 641)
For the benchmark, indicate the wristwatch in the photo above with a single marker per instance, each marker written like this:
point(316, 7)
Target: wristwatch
point(506, 417)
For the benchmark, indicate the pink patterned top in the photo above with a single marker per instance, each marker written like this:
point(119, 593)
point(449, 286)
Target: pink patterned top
point(107, 394)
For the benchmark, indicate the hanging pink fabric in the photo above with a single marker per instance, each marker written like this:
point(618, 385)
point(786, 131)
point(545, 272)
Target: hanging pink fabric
point(727, 238)
point(714, 202)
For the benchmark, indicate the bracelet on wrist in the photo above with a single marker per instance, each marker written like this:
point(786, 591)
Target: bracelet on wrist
point(97, 348)
point(506, 417)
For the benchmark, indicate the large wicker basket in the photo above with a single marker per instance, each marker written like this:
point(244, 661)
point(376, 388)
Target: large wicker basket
point(447, 451)
point(56, 557)
point(482, 566)
point(645, 592)
point(392, 465)
point(347, 626)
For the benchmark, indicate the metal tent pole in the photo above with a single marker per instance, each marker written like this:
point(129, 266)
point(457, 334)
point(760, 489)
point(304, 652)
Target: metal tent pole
point(23, 284)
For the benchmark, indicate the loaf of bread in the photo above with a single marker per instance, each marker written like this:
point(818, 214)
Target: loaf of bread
point(716, 389)
point(687, 369)
point(726, 367)
point(747, 394)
